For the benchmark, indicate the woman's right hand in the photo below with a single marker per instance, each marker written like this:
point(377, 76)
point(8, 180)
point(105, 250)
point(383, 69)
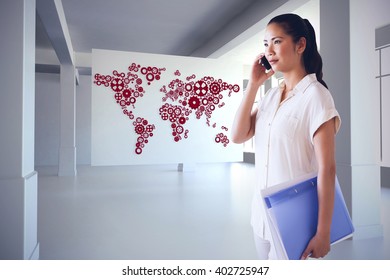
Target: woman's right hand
point(258, 73)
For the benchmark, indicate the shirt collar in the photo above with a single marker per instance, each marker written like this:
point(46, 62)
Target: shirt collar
point(302, 85)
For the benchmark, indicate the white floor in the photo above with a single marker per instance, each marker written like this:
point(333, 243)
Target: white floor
point(156, 212)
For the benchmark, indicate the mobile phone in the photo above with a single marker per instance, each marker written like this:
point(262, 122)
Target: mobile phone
point(265, 63)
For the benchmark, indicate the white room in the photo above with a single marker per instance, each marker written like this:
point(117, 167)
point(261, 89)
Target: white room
point(96, 195)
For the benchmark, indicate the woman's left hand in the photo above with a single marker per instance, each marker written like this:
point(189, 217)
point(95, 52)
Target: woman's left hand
point(318, 247)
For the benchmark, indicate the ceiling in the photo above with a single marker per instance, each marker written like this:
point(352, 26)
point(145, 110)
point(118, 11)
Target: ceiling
point(172, 27)
point(176, 27)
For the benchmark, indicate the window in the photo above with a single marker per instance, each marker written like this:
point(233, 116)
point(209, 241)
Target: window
point(382, 44)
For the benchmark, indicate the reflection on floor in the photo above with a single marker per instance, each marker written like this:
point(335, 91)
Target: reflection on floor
point(156, 212)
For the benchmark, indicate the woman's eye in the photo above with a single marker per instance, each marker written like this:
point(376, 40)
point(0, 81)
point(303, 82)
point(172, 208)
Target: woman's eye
point(265, 44)
point(277, 42)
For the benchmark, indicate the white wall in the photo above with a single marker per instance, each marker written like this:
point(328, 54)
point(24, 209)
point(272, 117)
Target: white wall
point(113, 131)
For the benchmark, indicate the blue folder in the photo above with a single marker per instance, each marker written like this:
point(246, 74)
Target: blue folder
point(294, 209)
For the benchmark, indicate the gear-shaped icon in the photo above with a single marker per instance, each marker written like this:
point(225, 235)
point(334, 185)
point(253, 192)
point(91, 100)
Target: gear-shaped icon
point(200, 88)
point(194, 102)
point(117, 85)
point(215, 88)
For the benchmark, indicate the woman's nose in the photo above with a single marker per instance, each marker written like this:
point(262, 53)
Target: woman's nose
point(269, 51)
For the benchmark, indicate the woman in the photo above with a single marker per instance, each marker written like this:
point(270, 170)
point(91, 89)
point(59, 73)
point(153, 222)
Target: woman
point(294, 126)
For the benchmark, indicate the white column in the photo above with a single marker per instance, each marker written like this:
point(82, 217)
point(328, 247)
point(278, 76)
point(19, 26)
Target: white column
point(186, 167)
point(18, 179)
point(365, 116)
point(350, 72)
point(67, 153)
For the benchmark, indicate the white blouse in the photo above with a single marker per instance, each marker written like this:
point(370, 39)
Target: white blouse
point(284, 136)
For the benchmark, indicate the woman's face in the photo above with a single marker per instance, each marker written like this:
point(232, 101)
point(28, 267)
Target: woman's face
point(282, 53)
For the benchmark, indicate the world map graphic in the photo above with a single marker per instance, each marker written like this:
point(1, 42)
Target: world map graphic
point(191, 97)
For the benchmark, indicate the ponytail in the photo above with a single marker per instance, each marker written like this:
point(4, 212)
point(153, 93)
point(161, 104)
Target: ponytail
point(311, 57)
point(297, 28)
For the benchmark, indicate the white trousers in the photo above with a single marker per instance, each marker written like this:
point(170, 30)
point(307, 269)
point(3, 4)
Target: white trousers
point(264, 248)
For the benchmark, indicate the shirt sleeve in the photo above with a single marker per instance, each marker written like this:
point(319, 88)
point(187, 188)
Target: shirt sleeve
point(323, 110)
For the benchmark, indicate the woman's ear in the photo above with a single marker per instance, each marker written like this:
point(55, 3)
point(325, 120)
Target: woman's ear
point(301, 45)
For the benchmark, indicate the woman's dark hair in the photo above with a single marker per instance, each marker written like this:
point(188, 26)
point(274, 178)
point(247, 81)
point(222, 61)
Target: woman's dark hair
point(297, 28)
